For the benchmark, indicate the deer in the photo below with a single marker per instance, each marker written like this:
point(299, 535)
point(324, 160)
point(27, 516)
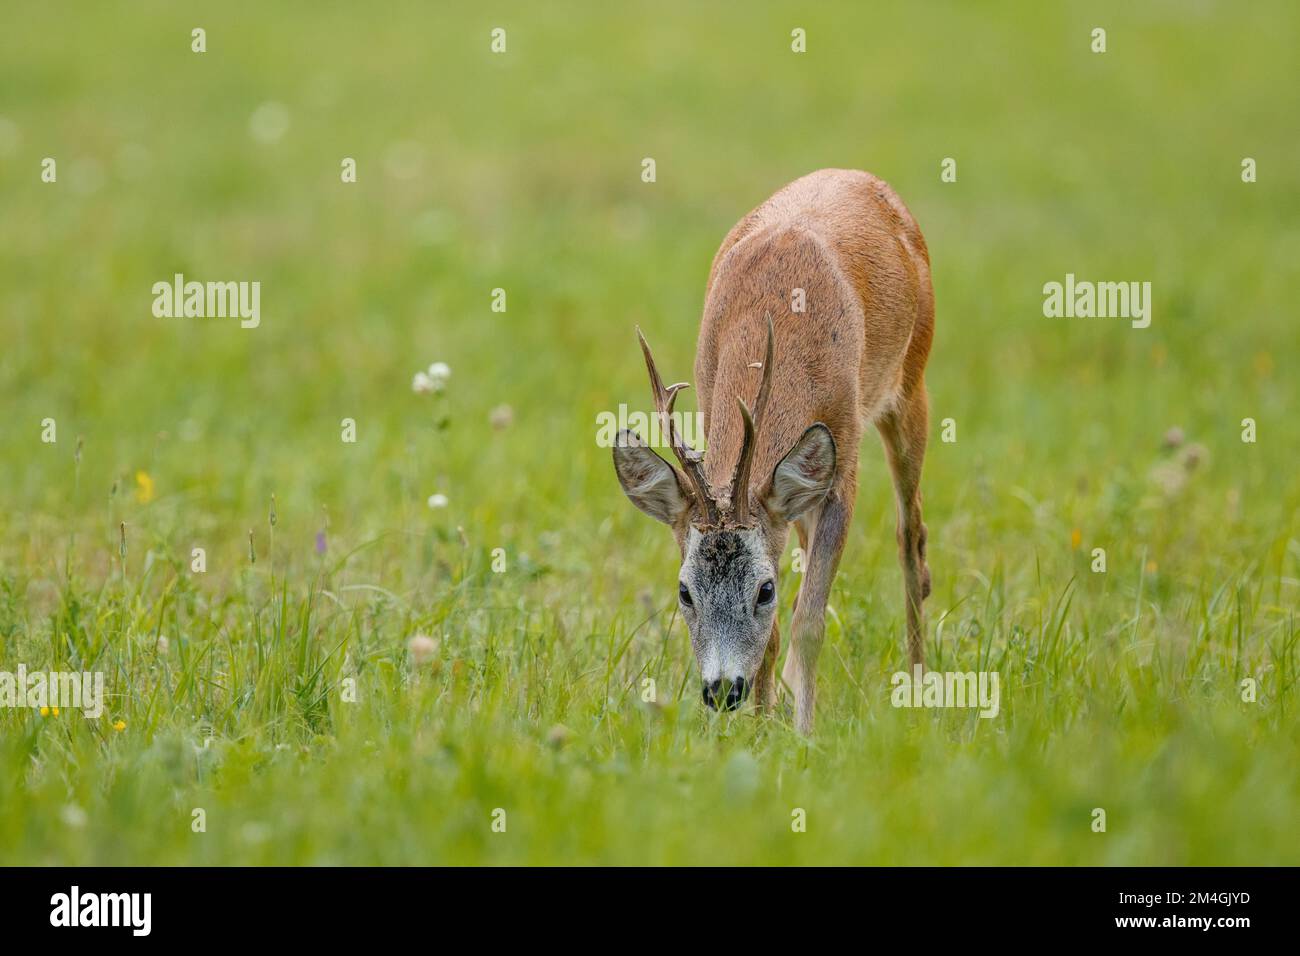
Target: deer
point(817, 323)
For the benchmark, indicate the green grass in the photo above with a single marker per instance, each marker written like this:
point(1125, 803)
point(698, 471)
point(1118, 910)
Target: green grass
point(1120, 690)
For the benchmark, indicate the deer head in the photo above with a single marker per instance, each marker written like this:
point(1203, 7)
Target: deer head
point(731, 540)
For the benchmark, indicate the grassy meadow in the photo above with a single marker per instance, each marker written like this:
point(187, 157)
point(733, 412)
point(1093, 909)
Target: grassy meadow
point(279, 691)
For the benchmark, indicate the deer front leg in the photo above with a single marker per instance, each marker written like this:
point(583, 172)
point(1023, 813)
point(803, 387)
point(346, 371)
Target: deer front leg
point(802, 525)
point(765, 680)
point(830, 531)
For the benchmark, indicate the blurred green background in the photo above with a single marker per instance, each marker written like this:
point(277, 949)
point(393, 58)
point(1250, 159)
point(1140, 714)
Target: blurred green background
point(522, 171)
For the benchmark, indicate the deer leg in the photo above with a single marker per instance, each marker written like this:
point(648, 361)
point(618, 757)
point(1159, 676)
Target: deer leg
point(904, 433)
point(803, 526)
point(767, 694)
point(765, 679)
point(830, 532)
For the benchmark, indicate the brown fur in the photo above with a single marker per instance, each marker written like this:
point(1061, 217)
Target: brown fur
point(855, 357)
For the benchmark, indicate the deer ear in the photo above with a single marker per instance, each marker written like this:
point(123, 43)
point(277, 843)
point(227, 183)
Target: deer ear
point(649, 482)
point(804, 475)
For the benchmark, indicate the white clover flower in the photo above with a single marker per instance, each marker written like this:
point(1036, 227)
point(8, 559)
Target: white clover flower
point(439, 372)
point(437, 501)
point(422, 384)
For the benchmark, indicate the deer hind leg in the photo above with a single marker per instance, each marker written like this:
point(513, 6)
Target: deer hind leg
point(830, 531)
point(904, 431)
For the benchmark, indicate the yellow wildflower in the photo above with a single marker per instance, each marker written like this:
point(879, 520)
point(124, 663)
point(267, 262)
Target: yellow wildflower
point(143, 487)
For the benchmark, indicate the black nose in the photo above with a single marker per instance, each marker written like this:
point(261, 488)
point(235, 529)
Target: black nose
point(725, 695)
point(712, 691)
point(737, 693)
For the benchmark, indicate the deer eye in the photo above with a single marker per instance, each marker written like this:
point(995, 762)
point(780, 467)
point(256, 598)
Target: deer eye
point(767, 592)
point(684, 593)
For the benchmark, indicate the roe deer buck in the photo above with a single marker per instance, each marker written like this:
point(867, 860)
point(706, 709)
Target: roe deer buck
point(853, 356)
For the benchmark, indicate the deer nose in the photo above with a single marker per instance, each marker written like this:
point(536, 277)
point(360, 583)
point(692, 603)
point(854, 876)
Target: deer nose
point(725, 695)
point(712, 693)
point(737, 693)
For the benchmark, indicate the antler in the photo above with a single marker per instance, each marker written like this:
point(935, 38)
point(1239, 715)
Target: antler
point(740, 481)
point(692, 461)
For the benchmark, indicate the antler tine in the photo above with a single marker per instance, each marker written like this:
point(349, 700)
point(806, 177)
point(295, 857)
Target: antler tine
point(690, 459)
point(740, 483)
